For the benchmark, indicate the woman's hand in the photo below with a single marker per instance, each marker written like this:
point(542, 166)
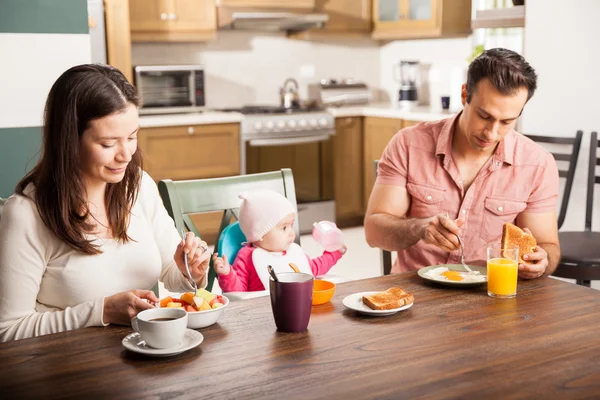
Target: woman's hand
point(197, 255)
point(221, 265)
point(120, 308)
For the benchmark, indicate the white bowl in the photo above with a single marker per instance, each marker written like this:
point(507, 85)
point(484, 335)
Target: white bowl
point(202, 319)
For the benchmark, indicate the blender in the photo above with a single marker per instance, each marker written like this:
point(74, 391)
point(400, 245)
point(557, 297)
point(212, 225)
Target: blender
point(407, 73)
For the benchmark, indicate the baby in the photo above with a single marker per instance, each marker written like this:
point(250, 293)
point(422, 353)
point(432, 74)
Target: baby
point(267, 220)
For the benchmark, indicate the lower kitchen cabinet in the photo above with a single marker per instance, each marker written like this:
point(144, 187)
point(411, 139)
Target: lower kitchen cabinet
point(377, 134)
point(192, 152)
point(347, 171)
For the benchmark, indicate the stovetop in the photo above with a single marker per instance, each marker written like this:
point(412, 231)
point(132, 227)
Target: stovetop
point(259, 109)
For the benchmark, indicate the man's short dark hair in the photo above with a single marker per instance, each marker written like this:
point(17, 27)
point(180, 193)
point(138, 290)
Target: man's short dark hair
point(506, 70)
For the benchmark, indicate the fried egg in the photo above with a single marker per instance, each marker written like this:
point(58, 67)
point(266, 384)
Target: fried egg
point(444, 274)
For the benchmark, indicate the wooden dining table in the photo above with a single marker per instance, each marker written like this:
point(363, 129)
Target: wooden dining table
point(452, 343)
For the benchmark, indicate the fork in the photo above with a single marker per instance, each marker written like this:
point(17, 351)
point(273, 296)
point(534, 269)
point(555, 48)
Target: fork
point(187, 268)
point(462, 254)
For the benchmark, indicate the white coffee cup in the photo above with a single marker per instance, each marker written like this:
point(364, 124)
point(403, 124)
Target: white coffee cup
point(161, 328)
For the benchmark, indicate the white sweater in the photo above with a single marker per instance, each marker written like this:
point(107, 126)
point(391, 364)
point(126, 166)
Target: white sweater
point(47, 287)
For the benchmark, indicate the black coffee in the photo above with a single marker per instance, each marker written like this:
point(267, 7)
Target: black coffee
point(162, 319)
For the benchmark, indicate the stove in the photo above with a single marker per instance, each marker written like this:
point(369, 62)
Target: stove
point(271, 126)
point(272, 122)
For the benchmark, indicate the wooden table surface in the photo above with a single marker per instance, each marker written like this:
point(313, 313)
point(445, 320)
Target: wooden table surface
point(453, 343)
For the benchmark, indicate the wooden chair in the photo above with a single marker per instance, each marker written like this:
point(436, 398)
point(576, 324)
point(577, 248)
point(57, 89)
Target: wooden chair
point(386, 256)
point(565, 171)
point(580, 251)
point(183, 198)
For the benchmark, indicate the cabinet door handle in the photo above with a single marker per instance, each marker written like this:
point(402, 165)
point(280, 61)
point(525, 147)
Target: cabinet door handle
point(190, 130)
point(163, 16)
point(172, 16)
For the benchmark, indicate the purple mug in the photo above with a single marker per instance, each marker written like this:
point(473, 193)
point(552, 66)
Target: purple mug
point(291, 300)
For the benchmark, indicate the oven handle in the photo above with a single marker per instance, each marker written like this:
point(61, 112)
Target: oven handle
point(287, 141)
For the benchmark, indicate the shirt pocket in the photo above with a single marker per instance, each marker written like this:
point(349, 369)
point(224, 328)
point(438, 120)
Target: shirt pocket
point(496, 213)
point(426, 201)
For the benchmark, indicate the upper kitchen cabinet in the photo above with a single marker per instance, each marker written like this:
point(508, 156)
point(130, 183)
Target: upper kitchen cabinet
point(267, 3)
point(172, 20)
point(419, 19)
point(345, 18)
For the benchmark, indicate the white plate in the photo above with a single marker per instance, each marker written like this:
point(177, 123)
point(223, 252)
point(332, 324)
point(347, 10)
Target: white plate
point(354, 302)
point(134, 342)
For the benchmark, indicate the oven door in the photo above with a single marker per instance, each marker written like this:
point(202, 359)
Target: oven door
point(309, 157)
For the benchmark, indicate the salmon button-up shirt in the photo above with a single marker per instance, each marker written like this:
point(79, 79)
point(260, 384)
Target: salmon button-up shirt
point(521, 176)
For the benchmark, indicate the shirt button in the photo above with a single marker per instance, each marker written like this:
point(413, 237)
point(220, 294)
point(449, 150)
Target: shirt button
point(500, 208)
point(429, 198)
point(464, 211)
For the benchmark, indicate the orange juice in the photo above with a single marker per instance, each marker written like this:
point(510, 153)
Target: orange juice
point(502, 277)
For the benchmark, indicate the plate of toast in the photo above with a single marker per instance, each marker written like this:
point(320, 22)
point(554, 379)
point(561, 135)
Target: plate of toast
point(388, 302)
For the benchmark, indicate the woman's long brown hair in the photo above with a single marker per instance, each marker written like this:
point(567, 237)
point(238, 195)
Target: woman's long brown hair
point(82, 94)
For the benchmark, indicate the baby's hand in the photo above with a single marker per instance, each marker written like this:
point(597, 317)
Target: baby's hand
point(221, 265)
point(343, 249)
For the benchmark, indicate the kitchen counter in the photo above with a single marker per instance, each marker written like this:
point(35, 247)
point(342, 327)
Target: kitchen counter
point(203, 118)
point(383, 110)
point(386, 110)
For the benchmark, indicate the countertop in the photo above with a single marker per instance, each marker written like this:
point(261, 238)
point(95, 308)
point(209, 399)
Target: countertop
point(386, 110)
point(383, 110)
point(202, 118)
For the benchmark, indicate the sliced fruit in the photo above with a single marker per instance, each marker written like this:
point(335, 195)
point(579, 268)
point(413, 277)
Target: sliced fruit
point(174, 305)
point(190, 309)
point(165, 301)
point(217, 305)
point(205, 294)
point(205, 306)
point(187, 297)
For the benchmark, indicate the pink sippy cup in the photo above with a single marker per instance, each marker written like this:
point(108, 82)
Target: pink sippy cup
point(328, 235)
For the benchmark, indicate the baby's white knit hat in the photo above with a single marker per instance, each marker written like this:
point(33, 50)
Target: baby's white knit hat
point(260, 211)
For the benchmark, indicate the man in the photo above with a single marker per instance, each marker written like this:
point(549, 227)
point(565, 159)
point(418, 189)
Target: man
point(468, 175)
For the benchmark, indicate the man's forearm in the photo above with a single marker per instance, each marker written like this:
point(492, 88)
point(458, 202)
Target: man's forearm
point(394, 233)
point(553, 251)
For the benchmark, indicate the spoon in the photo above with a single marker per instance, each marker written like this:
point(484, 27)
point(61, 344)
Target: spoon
point(462, 255)
point(272, 273)
point(187, 268)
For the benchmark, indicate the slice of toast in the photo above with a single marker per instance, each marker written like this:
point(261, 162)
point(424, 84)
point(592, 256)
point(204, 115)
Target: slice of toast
point(513, 235)
point(392, 298)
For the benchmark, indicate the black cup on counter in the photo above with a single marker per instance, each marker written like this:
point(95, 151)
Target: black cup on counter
point(445, 102)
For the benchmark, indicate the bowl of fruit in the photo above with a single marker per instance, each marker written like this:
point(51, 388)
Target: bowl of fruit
point(203, 307)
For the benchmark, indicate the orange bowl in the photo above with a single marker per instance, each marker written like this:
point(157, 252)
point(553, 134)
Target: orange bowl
point(322, 291)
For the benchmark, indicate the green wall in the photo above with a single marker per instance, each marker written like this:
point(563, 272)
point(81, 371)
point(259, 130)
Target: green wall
point(43, 16)
point(20, 152)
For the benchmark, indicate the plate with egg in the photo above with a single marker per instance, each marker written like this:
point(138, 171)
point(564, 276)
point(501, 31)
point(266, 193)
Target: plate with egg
point(454, 275)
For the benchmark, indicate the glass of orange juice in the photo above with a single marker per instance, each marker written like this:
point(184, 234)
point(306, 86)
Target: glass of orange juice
point(502, 271)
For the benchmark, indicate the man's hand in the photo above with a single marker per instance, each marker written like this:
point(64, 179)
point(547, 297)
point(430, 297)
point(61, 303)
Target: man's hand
point(536, 262)
point(442, 232)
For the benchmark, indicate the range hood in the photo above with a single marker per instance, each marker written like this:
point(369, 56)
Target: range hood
point(267, 20)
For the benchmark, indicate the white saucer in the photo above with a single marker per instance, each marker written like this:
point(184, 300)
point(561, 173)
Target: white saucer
point(354, 302)
point(134, 342)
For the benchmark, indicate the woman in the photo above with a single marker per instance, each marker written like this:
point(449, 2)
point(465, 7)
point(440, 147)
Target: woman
point(86, 233)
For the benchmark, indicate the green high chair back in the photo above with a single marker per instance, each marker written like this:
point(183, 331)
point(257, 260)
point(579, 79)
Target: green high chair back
point(183, 198)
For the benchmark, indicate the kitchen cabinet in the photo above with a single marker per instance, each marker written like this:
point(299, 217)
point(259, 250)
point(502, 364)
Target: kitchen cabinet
point(346, 18)
point(377, 134)
point(118, 37)
point(192, 152)
point(413, 19)
point(346, 179)
point(172, 20)
point(267, 3)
